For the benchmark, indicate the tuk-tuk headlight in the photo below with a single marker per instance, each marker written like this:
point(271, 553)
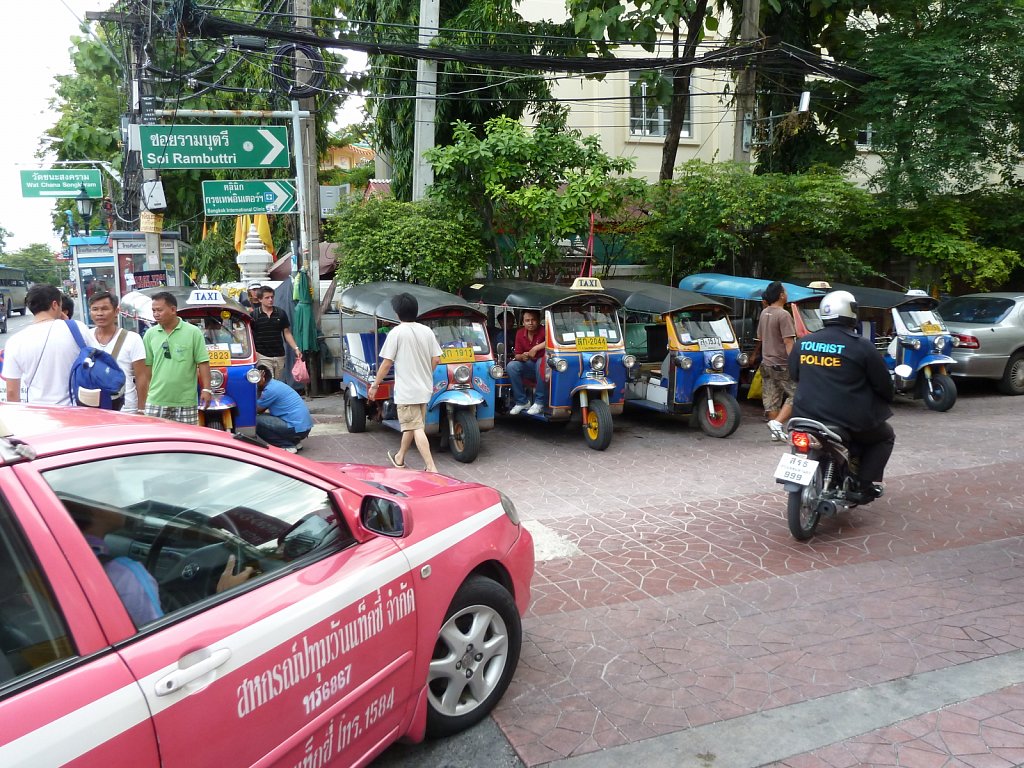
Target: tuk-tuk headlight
point(252, 376)
point(629, 361)
point(216, 378)
point(497, 371)
point(598, 362)
point(940, 343)
point(718, 361)
point(743, 358)
point(912, 343)
point(683, 361)
point(560, 364)
point(463, 374)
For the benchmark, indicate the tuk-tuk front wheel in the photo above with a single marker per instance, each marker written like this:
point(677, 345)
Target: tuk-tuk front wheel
point(214, 420)
point(942, 394)
point(465, 436)
point(597, 427)
point(355, 414)
point(724, 419)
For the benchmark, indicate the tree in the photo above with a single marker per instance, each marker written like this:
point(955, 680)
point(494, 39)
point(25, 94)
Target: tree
point(531, 188)
point(427, 242)
point(41, 265)
point(4, 234)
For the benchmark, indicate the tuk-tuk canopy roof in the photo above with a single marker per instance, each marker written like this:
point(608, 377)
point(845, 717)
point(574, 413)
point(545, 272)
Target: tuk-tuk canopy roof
point(881, 298)
point(375, 299)
point(656, 299)
point(523, 294)
point(745, 288)
point(140, 303)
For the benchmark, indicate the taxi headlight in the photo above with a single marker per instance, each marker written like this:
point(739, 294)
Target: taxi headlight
point(560, 364)
point(463, 374)
point(252, 376)
point(216, 378)
point(743, 358)
point(912, 343)
point(629, 361)
point(497, 371)
point(510, 509)
point(683, 361)
point(718, 361)
point(940, 343)
point(598, 362)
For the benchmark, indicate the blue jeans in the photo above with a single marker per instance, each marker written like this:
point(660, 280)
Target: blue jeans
point(517, 369)
point(277, 432)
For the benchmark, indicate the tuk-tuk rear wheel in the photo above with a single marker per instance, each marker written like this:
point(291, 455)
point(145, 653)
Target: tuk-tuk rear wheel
point(598, 426)
point(465, 438)
point(355, 414)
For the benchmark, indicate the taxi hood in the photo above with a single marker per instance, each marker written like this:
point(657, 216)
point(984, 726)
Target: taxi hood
point(399, 482)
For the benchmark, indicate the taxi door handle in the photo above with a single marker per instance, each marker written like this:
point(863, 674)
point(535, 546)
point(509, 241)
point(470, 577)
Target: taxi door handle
point(191, 672)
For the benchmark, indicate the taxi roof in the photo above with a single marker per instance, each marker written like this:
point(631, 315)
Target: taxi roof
point(375, 299)
point(524, 294)
point(655, 298)
point(140, 302)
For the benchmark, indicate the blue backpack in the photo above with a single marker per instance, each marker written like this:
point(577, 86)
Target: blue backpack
point(95, 370)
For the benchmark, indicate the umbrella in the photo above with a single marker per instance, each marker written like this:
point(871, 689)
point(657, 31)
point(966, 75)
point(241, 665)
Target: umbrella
point(303, 324)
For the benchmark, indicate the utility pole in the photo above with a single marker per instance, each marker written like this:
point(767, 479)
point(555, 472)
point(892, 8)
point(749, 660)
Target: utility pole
point(426, 104)
point(745, 84)
point(310, 250)
point(141, 112)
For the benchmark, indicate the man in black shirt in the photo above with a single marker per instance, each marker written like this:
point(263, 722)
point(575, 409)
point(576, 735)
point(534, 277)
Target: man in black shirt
point(271, 330)
point(842, 380)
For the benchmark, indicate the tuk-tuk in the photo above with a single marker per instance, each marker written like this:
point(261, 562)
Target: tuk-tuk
point(585, 360)
point(463, 401)
point(689, 357)
point(907, 331)
point(227, 328)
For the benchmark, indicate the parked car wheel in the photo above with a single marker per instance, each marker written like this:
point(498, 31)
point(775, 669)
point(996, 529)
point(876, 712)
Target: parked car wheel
point(1012, 382)
point(475, 656)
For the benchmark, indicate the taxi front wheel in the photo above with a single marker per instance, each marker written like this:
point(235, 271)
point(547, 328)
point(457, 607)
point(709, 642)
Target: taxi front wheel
point(598, 426)
point(474, 658)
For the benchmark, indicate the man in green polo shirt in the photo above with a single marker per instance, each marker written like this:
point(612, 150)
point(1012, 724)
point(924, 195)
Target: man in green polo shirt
point(174, 351)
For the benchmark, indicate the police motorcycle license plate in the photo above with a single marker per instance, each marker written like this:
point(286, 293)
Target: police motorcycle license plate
point(794, 468)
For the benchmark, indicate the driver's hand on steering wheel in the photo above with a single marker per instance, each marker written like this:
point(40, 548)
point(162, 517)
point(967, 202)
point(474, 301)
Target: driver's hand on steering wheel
point(229, 579)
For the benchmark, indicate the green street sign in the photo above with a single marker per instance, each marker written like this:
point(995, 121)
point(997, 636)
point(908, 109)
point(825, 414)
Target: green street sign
point(237, 198)
point(60, 182)
point(214, 146)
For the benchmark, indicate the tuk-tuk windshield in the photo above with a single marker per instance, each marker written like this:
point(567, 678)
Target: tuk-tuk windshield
point(922, 321)
point(571, 322)
point(811, 318)
point(227, 333)
point(459, 332)
point(694, 324)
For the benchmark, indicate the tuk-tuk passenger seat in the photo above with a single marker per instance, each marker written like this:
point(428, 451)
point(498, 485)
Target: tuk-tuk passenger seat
point(657, 342)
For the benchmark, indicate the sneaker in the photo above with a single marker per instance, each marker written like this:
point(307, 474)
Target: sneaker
point(517, 409)
point(777, 430)
point(292, 449)
point(535, 410)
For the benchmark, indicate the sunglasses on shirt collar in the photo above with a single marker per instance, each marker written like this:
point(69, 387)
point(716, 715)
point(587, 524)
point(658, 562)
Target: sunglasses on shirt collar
point(167, 350)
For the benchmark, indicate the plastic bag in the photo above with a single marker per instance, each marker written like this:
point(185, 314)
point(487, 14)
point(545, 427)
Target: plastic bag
point(755, 387)
point(299, 372)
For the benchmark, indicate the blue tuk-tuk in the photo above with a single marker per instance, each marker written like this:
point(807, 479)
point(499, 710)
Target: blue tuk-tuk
point(689, 357)
point(227, 328)
point(585, 360)
point(464, 381)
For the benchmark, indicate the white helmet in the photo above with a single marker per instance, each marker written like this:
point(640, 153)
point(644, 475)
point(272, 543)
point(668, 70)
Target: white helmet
point(839, 308)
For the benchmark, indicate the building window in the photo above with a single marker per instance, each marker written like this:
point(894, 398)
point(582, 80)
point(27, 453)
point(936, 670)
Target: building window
point(864, 138)
point(646, 116)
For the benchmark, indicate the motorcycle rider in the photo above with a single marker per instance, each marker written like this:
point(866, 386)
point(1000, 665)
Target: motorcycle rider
point(842, 380)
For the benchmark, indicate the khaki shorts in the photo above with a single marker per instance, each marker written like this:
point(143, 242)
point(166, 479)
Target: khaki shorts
point(412, 416)
point(776, 386)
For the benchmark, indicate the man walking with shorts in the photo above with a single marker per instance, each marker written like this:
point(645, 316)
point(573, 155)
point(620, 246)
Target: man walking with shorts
point(175, 351)
point(776, 333)
point(413, 350)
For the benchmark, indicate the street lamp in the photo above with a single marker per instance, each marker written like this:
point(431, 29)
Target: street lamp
point(84, 204)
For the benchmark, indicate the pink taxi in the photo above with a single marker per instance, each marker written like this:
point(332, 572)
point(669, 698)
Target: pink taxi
point(170, 596)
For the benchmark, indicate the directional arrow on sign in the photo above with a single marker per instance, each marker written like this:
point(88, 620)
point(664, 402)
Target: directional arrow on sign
point(284, 197)
point(276, 147)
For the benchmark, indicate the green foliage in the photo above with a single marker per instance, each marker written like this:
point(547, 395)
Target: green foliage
point(41, 265)
point(359, 177)
point(426, 242)
point(214, 256)
point(4, 234)
point(532, 187)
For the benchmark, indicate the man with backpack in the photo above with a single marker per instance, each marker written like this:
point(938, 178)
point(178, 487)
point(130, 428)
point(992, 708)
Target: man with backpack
point(124, 346)
point(39, 358)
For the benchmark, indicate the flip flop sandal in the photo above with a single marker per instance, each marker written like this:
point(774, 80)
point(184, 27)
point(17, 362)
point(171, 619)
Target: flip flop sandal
point(395, 464)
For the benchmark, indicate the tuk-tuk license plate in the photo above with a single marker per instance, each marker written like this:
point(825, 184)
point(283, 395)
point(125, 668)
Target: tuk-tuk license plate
point(794, 468)
point(927, 327)
point(591, 343)
point(220, 357)
point(710, 344)
point(457, 355)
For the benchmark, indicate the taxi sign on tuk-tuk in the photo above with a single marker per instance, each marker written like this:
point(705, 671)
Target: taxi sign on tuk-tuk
point(587, 284)
point(204, 296)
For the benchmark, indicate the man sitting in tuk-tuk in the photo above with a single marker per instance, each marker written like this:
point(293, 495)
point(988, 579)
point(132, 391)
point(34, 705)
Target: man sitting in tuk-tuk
point(528, 354)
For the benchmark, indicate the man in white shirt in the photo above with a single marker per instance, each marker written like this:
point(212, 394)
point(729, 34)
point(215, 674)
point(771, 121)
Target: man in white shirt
point(125, 346)
point(38, 359)
point(413, 349)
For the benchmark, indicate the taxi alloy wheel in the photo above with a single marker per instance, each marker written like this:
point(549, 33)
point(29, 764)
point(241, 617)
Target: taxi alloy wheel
point(1012, 382)
point(598, 426)
point(474, 658)
point(465, 440)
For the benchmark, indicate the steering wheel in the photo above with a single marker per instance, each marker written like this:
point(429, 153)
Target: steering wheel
point(195, 575)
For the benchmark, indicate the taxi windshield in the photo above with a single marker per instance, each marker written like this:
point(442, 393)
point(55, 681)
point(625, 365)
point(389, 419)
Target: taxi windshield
point(455, 332)
point(922, 321)
point(695, 324)
point(592, 320)
point(228, 334)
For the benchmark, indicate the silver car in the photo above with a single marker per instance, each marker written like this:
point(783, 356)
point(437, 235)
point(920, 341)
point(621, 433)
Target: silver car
point(988, 330)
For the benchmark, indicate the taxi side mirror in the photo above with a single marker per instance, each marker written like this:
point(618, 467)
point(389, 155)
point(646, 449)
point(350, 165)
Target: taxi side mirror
point(382, 516)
